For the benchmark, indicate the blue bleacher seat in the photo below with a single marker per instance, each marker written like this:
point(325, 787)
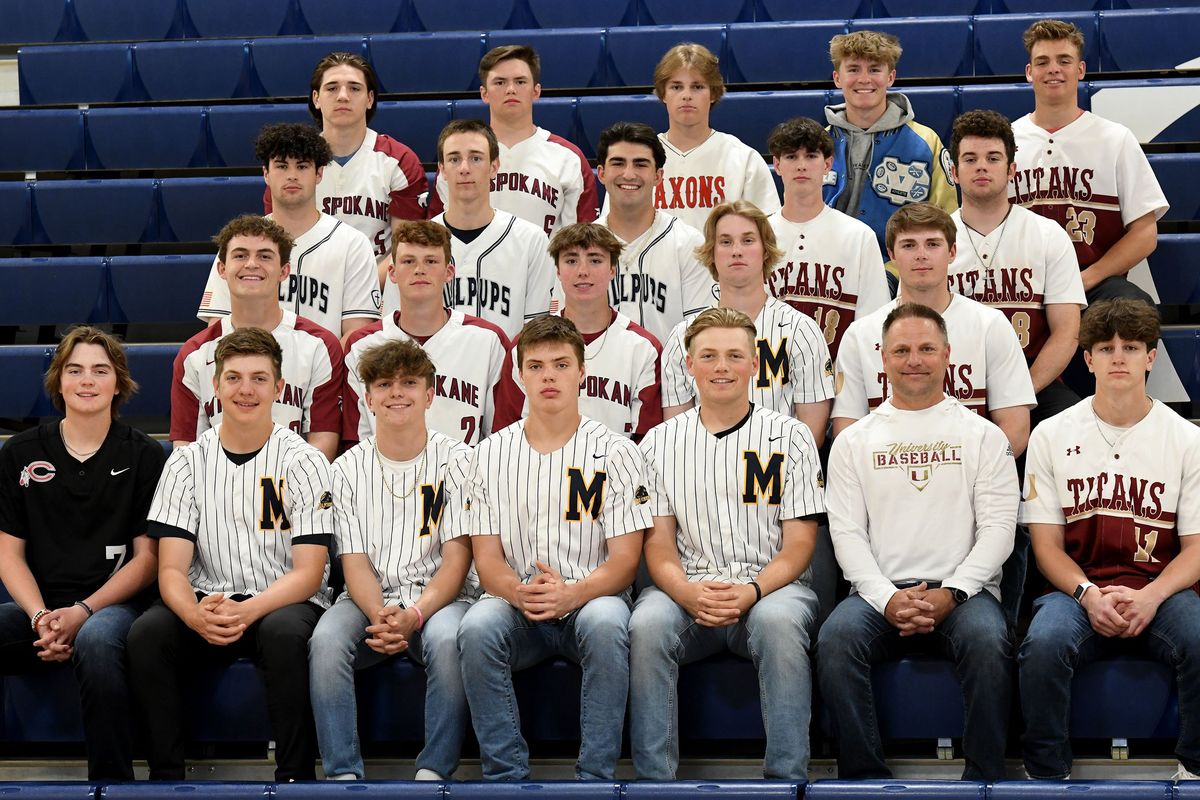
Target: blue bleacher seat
point(1155, 3)
point(209, 790)
point(376, 790)
point(718, 699)
point(689, 12)
point(872, 790)
point(417, 123)
point(233, 129)
point(391, 702)
point(217, 19)
point(736, 790)
point(378, 16)
point(67, 290)
point(1097, 713)
point(918, 697)
point(952, 56)
point(124, 20)
point(483, 15)
point(790, 10)
point(195, 209)
point(1040, 6)
point(633, 52)
point(74, 74)
point(284, 66)
point(21, 395)
point(95, 211)
point(36, 790)
point(16, 221)
point(572, 58)
point(557, 14)
point(1134, 40)
point(559, 790)
point(751, 115)
point(597, 113)
point(1013, 100)
point(1179, 175)
point(754, 51)
point(42, 139)
point(1156, 110)
point(999, 49)
point(222, 704)
point(197, 70)
point(156, 288)
point(1184, 346)
point(929, 8)
point(1174, 266)
point(146, 137)
point(42, 705)
point(427, 62)
point(935, 107)
point(1093, 790)
point(150, 365)
point(30, 23)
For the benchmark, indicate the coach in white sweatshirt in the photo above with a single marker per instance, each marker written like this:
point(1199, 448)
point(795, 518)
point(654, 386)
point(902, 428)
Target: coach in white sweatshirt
point(922, 500)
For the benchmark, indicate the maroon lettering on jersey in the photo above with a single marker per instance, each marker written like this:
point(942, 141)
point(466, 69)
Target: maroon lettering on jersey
point(816, 290)
point(609, 389)
point(525, 184)
point(692, 191)
point(456, 389)
point(959, 384)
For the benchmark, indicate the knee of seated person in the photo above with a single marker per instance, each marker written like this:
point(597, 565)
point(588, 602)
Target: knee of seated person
point(284, 630)
point(329, 642)
point(481, 625)
point(92, 641)
point(441, 631)
point(604, 617)
point(654, 619)
point(783, 616)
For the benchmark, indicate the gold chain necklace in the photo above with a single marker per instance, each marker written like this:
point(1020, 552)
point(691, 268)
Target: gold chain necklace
point(390, 481)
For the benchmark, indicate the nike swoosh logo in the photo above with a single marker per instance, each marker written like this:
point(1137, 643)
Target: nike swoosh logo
point(115, 472)
point(774, 439)
point(598, 455)
point(210, 363)
point(784, 324)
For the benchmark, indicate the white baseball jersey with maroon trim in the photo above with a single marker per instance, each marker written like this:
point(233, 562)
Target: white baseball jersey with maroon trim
point(831, 270)
point(333, 278)
point(987, 369)
point(543, 179)
point(794, 366)
point(382, 180)
point(659, 280)
point(562, 507)
point(245, 518)
point(1090, 176)
point(473, 392)
point(312, 380)
point(1022, 266)
point(731, 491)
point(719, 170)
point(1124, 496)
point(400, 521)
point(621, 369)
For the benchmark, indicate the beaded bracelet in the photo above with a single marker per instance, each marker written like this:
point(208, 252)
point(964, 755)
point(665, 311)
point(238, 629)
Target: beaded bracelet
point(34, 621)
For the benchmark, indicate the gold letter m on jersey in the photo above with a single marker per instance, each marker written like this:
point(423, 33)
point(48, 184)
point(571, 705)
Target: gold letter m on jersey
point(272, 515)
point(590, 495)
point(762, 482)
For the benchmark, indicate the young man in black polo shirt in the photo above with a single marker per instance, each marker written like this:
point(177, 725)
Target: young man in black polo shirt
point(74, 555)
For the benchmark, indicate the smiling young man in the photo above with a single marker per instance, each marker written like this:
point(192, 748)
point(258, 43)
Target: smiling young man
point(253, 488)
point(253, 259)
point(74, 554)
point(1112, 500)
point(831, 269)
point(795, 375)
point(922, 505)
point(741, 587)
point(543, 178)
point(558, 506)
point(473, 389)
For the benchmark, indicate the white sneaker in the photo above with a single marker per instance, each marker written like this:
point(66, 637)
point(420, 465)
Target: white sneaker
point(427, 775)
point(1182, 774)
point(345, 776)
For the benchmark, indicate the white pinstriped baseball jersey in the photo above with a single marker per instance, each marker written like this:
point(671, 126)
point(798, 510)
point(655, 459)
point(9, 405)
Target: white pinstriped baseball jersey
point(659, 280)
point(987, 369)
point(562, 507)
point(1022, 266)
point(730, 492)
point(312, 378)
point(244, 519)
point(473, 392)
point(719, 170)
point(793, 362)
point(543, 179)
point(333, 278)
point(831, 270)
point(401, 520)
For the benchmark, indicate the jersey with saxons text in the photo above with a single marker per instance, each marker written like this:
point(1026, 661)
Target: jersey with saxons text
point(561, 507)
point(401, 521)
point(473, 393)
point(720, 169)
point(730, 492)
point(312, 380)
point(659, 280)
point(1022, 266)
point(1090, 176)
point(1124, 497)
point(794, 366)
point(244, 518)
point(77, 519)
point(831, 270)
point(987, 369)
point(382, 180)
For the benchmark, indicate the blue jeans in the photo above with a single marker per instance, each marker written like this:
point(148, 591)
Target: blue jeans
point(99, 663)
point(1061, 639)
point(495, 639)
point(775, 636)
point(337, 649)
point(974, 636)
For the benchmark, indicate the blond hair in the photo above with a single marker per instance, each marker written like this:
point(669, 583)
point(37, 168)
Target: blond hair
point(868, 45)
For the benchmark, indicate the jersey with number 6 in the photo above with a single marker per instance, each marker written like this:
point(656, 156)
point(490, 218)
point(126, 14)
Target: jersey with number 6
point(1090, 176)
point(1124, 497)
point(831, 270)
point(1022, 266)
point(77, 520)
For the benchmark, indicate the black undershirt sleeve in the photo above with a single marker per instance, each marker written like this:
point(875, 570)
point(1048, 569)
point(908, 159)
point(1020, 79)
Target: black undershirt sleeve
point(161, 530)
